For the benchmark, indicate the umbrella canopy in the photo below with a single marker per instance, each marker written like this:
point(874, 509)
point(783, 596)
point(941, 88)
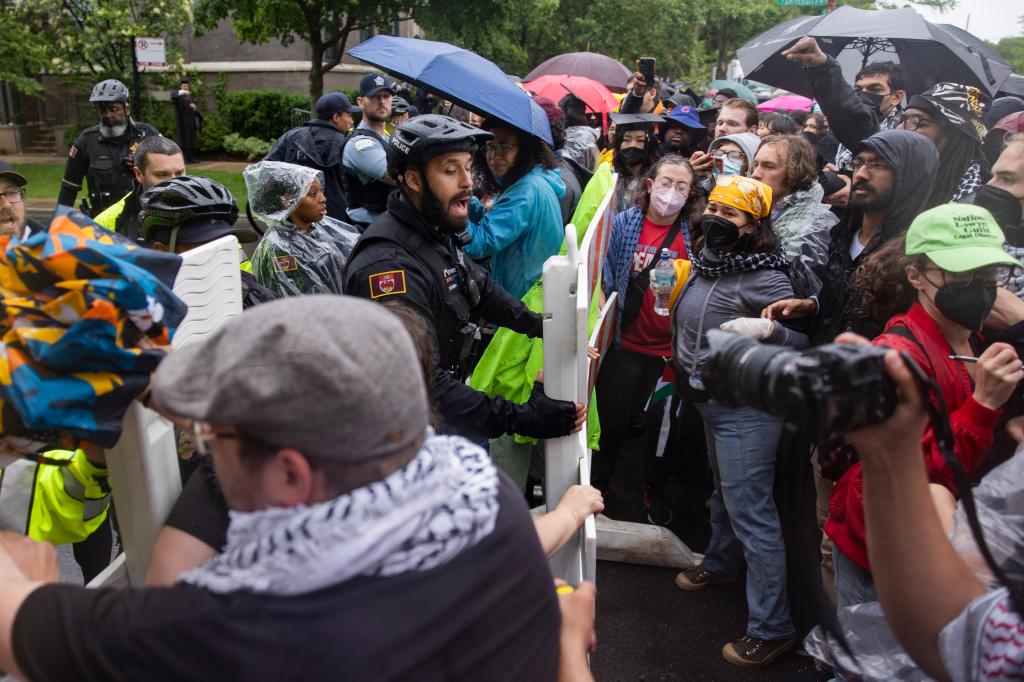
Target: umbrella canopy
point(742, 91)
point(593, 65)
point(597, 97)
point(855, 37)
point(1014, 85)
point(787, 103)
point(458, 75)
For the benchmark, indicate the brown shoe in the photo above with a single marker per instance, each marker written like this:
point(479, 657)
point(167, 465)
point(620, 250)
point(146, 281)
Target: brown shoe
point(693, 579)
point(751, 652)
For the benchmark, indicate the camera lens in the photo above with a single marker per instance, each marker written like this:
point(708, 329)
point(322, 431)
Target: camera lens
point(740, 370)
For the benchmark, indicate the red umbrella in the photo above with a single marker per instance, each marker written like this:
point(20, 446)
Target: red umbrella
point(605, 70)
point(597, 97)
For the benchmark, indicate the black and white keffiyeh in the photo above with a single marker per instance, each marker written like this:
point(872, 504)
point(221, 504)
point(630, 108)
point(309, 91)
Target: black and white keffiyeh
point(419, 517)
point(716, 264)
point(969, 183)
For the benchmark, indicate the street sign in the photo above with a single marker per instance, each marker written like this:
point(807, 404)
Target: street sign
point(802, 3)
point(150, 52)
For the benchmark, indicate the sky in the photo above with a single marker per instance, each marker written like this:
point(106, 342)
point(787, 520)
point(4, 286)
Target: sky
point(988, 19)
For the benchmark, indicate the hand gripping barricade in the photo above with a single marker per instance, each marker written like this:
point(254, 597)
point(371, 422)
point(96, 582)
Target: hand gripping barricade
point(570, 283)
point(143, 466)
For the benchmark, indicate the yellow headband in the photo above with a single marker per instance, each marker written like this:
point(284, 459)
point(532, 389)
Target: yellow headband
point(746, 194)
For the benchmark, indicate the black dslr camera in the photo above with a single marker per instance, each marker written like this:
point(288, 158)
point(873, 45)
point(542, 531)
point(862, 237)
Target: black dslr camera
point(826, 390)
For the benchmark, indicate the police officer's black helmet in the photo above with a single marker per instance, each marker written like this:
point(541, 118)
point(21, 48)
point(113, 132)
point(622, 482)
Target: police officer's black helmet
point(173, 202)
point(422, 138)
point(110, 90)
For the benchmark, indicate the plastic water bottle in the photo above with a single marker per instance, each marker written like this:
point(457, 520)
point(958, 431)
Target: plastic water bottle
point(664, 281)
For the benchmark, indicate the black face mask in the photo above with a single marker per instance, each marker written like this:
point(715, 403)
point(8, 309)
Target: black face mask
point(966, 303)
point(719, 233)
point(631, 156)
point(1005, 208)
point(872, 100)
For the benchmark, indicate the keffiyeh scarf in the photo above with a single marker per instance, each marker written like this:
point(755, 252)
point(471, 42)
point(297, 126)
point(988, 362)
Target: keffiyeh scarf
point(423, 515)
point(844, 156)
point(718, 264)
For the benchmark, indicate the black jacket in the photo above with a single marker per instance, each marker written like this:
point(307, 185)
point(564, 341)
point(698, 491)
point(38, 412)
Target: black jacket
point(105, 163)
point(916, 160)
point(449, 290)
point(317, 144)
point(575, 178)
point(851, 120)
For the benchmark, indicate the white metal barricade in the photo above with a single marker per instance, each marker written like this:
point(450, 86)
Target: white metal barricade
point(570, 284)
point(144, 476)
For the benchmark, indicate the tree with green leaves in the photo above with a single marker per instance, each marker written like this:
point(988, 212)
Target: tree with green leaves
point(1012, 49)
point(22, 51)
point(324, 25)
point(86, 40)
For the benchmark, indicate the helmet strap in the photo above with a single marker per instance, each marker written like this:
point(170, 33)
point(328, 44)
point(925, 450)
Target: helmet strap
point(174, 239)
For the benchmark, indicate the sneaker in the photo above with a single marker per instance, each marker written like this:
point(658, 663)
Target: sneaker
point(751, 652)
point(693, 579)
point(659, 512)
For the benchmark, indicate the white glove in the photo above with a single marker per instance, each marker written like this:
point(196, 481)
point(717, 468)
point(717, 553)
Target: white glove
point(754, 327)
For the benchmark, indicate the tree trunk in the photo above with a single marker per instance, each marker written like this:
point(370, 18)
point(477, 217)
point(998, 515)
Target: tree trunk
point(316, 71)
point(724, 37)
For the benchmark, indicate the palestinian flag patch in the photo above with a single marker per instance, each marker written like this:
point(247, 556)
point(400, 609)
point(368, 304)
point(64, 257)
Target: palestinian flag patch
point(387, 283)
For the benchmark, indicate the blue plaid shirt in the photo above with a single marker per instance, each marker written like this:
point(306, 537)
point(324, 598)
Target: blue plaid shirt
point(618, 264)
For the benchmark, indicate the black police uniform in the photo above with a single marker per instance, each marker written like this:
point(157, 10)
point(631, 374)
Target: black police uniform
point(401, 257)
point(106, 163)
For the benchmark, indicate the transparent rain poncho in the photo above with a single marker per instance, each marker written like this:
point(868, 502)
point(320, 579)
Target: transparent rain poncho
point(999, 499)
point(289, 260)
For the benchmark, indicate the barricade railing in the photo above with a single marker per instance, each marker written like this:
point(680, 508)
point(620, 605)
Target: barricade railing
point(144, 477)
point(571, 287)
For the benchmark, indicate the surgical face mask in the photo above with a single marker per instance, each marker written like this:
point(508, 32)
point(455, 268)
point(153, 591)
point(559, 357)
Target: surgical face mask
point(113, 131)
point(719, 233)
point(666, 201)
point(632, 156)
point(966, 303)
point(1006, 209)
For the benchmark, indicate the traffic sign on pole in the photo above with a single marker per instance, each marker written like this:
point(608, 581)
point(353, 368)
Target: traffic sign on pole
point(150, 52)
point(802, 3)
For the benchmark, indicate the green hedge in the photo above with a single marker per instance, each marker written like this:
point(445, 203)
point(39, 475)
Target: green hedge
point(263, 114)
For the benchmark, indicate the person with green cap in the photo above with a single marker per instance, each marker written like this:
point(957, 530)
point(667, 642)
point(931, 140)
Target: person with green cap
point(941, 282)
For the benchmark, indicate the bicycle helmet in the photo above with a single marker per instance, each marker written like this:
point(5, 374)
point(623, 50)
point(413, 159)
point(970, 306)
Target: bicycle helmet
point(422, 138)
point(190, 209)
point(110, 90)
point(399, 106)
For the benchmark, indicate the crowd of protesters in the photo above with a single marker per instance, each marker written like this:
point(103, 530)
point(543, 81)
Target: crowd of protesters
point(360, 506)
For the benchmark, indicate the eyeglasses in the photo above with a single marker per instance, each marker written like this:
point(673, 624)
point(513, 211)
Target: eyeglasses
point(492, 148)
point(14, 196)
point(914, 121)
point(203, 436)
point(871, 166)
point(681, 187)
point(998, 275)
point(734, 156)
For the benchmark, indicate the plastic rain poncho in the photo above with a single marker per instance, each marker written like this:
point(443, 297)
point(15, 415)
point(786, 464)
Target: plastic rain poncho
point(289, 260)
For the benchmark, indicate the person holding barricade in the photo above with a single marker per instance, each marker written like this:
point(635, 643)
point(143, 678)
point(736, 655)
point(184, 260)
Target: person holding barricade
point(738, 268)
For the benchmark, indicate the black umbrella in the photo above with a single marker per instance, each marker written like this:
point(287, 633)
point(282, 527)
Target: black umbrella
point(929, 53)
point(1014, 85)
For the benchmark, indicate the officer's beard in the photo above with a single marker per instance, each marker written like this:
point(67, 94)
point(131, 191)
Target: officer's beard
point(438, 215)
point(114, 130)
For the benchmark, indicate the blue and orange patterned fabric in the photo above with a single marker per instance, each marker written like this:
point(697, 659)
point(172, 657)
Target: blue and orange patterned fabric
point(77, 302)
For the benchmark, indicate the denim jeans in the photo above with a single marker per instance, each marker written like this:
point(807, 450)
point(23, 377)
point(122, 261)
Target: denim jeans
point(854, 585)
point(742, 443)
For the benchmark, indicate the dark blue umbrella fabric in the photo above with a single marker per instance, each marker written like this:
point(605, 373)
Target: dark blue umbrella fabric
point(458, 75)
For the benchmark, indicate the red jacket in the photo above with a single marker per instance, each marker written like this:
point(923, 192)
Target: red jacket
point(973, 428)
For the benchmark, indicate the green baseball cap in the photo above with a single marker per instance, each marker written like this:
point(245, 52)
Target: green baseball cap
point(958, 238)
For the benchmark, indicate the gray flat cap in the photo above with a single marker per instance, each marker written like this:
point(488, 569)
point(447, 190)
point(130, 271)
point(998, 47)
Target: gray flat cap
point(331, 376)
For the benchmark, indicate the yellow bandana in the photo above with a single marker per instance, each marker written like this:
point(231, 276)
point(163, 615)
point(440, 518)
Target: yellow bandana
point(748, 195)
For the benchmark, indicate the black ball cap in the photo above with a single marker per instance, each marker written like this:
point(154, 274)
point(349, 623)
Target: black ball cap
point(372, 83)
point(8, 173)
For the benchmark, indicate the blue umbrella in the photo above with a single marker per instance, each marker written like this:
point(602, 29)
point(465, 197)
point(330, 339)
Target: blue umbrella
point(458, 75)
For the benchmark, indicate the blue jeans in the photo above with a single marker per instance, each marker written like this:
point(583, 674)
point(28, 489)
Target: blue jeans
point(854, 585)
point(744, 521)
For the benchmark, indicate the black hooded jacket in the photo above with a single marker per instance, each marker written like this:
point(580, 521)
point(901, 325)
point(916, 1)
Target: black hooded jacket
point(317, 144)
point(915, 160)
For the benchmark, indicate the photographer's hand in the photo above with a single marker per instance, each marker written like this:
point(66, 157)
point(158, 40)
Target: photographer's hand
point(577, 637)
point(996, 375)
point(790, 309)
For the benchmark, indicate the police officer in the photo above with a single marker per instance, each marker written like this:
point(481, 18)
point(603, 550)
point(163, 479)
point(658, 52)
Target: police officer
point(102, 154)
point(365, 160)
point(411, 253)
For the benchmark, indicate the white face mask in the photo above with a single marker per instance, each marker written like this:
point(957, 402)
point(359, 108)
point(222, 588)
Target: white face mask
point(666, 201)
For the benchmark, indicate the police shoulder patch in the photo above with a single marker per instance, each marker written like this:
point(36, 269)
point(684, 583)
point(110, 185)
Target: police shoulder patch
point(73, 152)
point(286, 263)
point(363, 143)
point(387, 283)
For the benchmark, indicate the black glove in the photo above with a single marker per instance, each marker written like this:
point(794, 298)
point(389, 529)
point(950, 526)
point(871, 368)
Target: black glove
point(536, 330)
point(543, 417)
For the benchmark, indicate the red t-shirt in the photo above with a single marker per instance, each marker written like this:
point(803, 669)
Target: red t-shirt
point(651, 333)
